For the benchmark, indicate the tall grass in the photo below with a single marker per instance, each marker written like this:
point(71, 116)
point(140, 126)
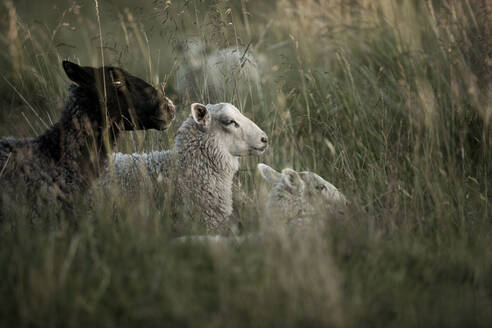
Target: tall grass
point(389, 101)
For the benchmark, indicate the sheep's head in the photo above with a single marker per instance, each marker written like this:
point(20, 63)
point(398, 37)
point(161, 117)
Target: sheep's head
point(236, 133)
point(287, 184)
point(314, 191)
point(132, 104)
point(318, 190)
point(288, 178)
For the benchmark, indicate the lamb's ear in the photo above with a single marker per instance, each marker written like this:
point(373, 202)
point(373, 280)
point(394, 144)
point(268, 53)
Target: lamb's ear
point(306, 176)
point(292, 179)
point(78, 74)
point(200, 114)
point(268, 173)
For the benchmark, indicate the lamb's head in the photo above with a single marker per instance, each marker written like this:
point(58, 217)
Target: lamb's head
point(131, 103)
point(305, 191)
point(288, 179)
point(238, 135)
point(320, 191)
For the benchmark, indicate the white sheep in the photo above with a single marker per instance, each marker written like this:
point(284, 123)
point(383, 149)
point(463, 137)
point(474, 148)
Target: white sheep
point(203, 162)
point(296, 196)
point(230, 73)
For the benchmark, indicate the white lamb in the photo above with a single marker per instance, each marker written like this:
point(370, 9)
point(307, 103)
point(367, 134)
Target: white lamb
point(203, 162)
point(296, 196)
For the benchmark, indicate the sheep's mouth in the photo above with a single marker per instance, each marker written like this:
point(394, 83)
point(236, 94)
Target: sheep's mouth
point(259, 150)
point(162, 124)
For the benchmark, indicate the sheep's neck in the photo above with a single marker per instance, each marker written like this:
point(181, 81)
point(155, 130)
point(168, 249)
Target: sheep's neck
point(220, 161)
point(77, 139)
point(205, 169)
point(210, 156)
point(194, 145)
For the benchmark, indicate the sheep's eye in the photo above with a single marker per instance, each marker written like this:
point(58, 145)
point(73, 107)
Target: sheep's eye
point(118, 84)
point(229, 122)
point(320, 187)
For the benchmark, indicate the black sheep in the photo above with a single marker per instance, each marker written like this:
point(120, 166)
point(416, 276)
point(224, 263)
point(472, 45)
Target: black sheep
point(65, 159)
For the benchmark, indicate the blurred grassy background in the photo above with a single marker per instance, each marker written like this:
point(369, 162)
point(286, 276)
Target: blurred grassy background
point(388, 100)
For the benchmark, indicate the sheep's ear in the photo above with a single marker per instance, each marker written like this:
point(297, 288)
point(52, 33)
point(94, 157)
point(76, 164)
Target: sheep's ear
point(292, 179)
point(306, 176)
point(200, 113)
point(78, 74)
point(268, 173)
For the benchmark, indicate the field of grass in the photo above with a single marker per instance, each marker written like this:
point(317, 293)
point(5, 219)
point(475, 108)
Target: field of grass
point(391, 101)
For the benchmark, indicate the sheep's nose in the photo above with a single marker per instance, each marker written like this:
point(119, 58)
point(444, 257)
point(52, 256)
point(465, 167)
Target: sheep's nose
point(264, 139)
point(171, 109)
point(169, 104)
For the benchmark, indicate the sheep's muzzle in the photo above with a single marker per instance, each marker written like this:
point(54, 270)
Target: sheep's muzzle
point(166, 113)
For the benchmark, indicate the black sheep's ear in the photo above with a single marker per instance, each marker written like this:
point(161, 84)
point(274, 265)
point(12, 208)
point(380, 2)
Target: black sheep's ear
point(78, 74)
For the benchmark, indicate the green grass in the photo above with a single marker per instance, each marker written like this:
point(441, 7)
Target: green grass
point(388, 100)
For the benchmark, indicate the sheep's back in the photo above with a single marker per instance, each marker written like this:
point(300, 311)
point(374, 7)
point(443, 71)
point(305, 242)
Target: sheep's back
point(22, 162)
point(26, 170)
point(129, 171)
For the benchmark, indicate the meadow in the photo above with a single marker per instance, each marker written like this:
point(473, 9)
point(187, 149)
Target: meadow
point(391, 101)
